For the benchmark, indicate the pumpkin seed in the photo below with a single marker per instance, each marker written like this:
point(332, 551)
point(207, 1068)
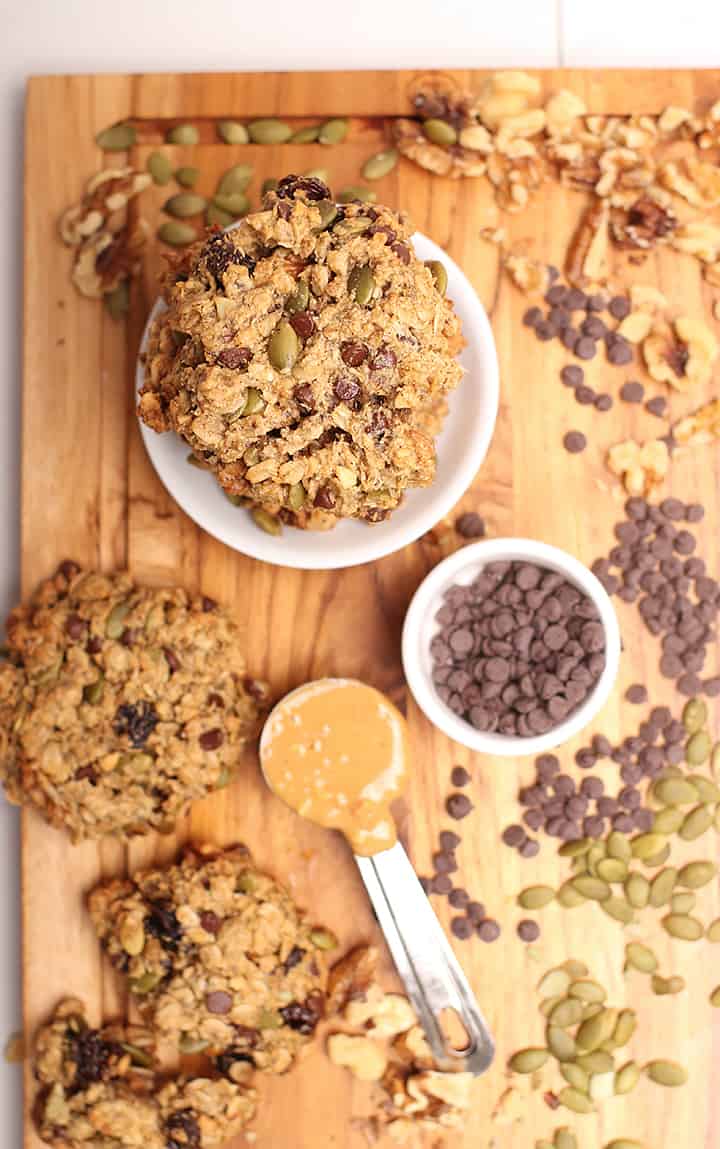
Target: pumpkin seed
point(246, 882)
point(694, 875)
point(361, 284)
point(715, 759)
point(596, 1062)
point(195, 462)
point(323, 939)
point(267, 522)
point(528, 1060)
point(187, 177)
point(307, 135)
point(592, 1008)
point(568, 897)
point(160, 168)
point(283, 346)
point(575, 1075)
point(595, 854)
point(567, 1013)
point(118, 138)
point(695, 824)
point(440, 132)
point(216, 217)
point(235, 203)
point(235, 179)
point(675, 792)
point(668, 821)
point(618, 909)
point(555, 981)
point(662, 886)
point(593, 888)
point(645, 845)
point(185, 204)
point(565, 1139)
point(706, 789)
point(575, 1100)
point(254, 402)
point(611, 870)
point(593, 1032)
point(93, 692)
point(117, 301)
point(355, 192)
point(625, 1027)
point(637, 890)
point(580, 845)
point(560, 1043)
point(623, 1143)
point(575, 968)
point(236, 500)
point(587, 990)
point(668, 1073)
point(352, 226)
point(659, 859)
point(333, 132)
point(321, 174)
point(328, 213)
point(715, 997)
point(269, 131)
point(145, 983)
point(189, 1044)
point(683, 926)
point(640, 957)
point(683, 903)
point(176, 234)
point(694, 715)
point(547, 1005)
point(667, 985)
point(542, 1144)
point(115, 621)
point(380, 165)
point(713, 931)
point(535, 897)
point(697, 748)
point(268, 185)
point(184, 134)
point(296, 496)
point(232, 132)
point(618, 846)
point(627, 1077)
point(299, 299)
point(137, 1056)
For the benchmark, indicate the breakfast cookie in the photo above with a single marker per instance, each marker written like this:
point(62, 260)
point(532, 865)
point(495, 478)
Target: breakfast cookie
point(305, 356)
point(119, 704)
point(99, 1090)
point(219, 958)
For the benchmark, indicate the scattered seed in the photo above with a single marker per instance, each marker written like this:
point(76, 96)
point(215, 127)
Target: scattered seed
point(627, 1077)
point(267, 522)
point(646, 845)
point(355, 192)
point(333, 132)
point(574, 1100)
point(637, 890)
point(611, 870)
point(625, 1027)
point(187, 177)
point(594, 888)
point(668, 1073)
point(216, 217)
point(668, 821)
point(675, 792)
point(575, 969)
point(269, 132)
point(695, 824)
point(440, 132)
point(575, 848)
point(593, 1032)
point(715, 997)
point(186, 135)
point(599, 1061)
point(640, 957)
point(683, 903)
point(698, 748)
point(567, 1013)
point(667, 985)
point(662, 886)
point(176, 234)
point(535, 897)
point(235, 204)
point(117, 301)
point(694, 875)
point(528, 1060)
point(624, 1143)
point(587, 990)
point(160, 168)
point(707, 791)
point(184, 205)
point(683, 927)
point(575, 1075)
point(439, 274)
point(694, 715)
point(713, 931)
point(560, 1043)
point(232, 132)
point(547, 1005)
point(306, 135)
point(564, 1139)
point(554, 982)
point(380, 165)
point(618, 909)
point(568, 897)
point(118, 138)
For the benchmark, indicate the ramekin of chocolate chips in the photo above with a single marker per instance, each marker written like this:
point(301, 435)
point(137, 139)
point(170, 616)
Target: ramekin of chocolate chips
point(511, 646)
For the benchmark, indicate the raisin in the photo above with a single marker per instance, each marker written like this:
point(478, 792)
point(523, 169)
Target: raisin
point(162, 923)
point(136, 721)
point(92, 1057)
point(235, 358)
point(302, 324)
point(294, 958)
point(229, 1057)
point(304, 1016)
point(384, 359)
point(353, 353)
point(182, 1130)
point(346, 388)
point(325, 498)
point(220, 252)
point(313, 189)
point(303, 396)
point(75, 627)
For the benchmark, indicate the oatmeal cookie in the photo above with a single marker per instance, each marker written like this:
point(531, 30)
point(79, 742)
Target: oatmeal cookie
point(119, 704)
point(305, 356)
point(99, 1090)
point(218, 956)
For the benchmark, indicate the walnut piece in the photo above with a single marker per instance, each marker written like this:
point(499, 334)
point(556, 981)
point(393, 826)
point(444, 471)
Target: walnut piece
point(586, 260)
point(530, 275)
point(106, 259)
point(699, 428)
point(681, 354)
point(696, 181)
point(351, 977)
point(365, 1059)
point(106, 194)
point(643, 224)
point(645, 297)
point(700, 238)
point(642, 467)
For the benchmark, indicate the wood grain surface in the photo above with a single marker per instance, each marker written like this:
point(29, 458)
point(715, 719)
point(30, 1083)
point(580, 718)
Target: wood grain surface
point(89, 492)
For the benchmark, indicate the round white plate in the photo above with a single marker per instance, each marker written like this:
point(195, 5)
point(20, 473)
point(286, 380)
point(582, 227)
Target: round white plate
point(461, 448)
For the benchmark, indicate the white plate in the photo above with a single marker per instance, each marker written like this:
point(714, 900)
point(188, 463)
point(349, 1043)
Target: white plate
point(461, 448)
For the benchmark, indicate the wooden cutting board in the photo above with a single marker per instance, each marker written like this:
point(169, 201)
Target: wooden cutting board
point(89, 492)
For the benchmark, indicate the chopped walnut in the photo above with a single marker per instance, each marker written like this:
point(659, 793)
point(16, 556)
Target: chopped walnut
point(645, 297)
point(365, 1059)
point(712, 275)
point(642, 467)
point(514, 179)
point(452, 1088)
point(635, 326)
point(105, 260)
point(673, 118)
point(351, 977)
point(702, 349)
point(106, 194)
point(412, 1046)
point(681, 354)
point(414, 145)
point(530, 275)
point(665, 356)
point(699, 428)
point(561, 112)
point(587, 255)
point(695, 180)
point(642, 225)
point(700, 238)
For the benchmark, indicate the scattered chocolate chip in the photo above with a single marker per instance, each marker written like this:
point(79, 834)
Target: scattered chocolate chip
point(459, 776)
point(636, 694)
point(325, 498)
point(458, 898)
point(488, 930)
point(458, 806)
point(619, 307)
point(572, 375)
point(470, 525)
point(632, 392)
point(211, 739)
point(449, 840)
point(585, 396)
point(353, 353)
point(574, 442)
point(441, 884)
point(585, 348)
point(528, 931)
point(532, 316)
point(603, 402)
point(461, 928)
point(657, 406)
point(210, 922)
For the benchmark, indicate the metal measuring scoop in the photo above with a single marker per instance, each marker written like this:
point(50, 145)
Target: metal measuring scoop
point(433, 978)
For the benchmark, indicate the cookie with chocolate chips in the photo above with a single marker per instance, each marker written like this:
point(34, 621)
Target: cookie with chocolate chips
point(120, 704)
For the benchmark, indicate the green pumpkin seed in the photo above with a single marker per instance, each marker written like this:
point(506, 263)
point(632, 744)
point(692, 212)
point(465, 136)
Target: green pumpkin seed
point(235, 179)
point(662, 886)
point(554, 982)
point(575, 1075)
point(611, 870)
point(587, 990)
point(675, 792)
point(640, 957)
point(695, 875)
point(187, 177)
point(625, 1027)
point(176, 234)
point(138, 1056)
point(696, 823)
point(296, 496)
point(323, 939)
point(565, 1139)
point(321, 174)
point(115, 621)
point(567, 1013)
point(267, 522)
point(694, 715)
point(706, 789)
point(627, 1077)
point(592, 1008)
point(299, 299)
point(697, 748)
point(568, 897)
point(667, 985)
point(535, 897)
point(618, 909)
point(715, 997)
point(216, 217)
point(440, 132)
point(645, 845)
point(185, 204)
point(236, 500)
point(598, 1061)
point(542, 1144)
point(268, 185)
point(668, 1073)
point(283, 346)
point(618, 846)
point(528, 1060)
point(439, 274)
point(307, 135)
point(235, 204)
point(624, 1143)
point(668, 821)
point(232, 132)
point(246, 883)
point(594, 888)
point(547, 1005)
point(93, 692)
point(361, 284)
point(189, 1044)
point(117, 301)
point(269, 132)
point(145, 983)
point(593, 1032)
point(118, 138)
point(574, 1100)
point(333, 132)
point(380, 165)
point(683, 926)
point(576, 969)
point(560, 1043)
point(713, 931)
point(715, 759)
point(637, 890)
point(328, 212)
point(595, 855)
point(160, 168)
point(195, 462)
point(580, 845)
point(254, 402)
point(355, 192)
point(654, 860)
point(683, 903)
point(353, 225)
point(186, 135)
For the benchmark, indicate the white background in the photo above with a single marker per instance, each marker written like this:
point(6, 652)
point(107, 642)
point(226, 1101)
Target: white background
point(39, 36)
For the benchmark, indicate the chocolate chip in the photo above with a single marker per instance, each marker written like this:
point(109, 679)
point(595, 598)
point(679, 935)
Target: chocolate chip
point(585, 348)
point(620, 353)
point(458, 806)
point(461, 928)
point(325, 498)
point(353, 353)
point(470, 525)
point(530, 848)
point(572, 375)
point(488, 930)
point(235, 358)
point(441, 884)
point(575, 299)
point(585, 396)
point(528, 931)
point(532, 317)
point(459, 776)
point(514, 836)
point(636, 694)
point(619, 306)
point(444, 863)
point(218, 1001)
point(475, 912)
point(448, 840)
point(210, 922)
point(603, 402)
point(694, 513)
point(458, 898)
point(657, 406)
point(75, 627)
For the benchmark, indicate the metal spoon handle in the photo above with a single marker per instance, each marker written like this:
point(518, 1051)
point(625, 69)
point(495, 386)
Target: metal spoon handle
point(424, 958)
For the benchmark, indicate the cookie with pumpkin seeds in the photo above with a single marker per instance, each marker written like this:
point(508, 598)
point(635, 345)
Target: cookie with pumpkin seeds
point(120, 704)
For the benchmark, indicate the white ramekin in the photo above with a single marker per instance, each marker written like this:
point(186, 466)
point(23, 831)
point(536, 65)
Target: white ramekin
point(421, 626)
